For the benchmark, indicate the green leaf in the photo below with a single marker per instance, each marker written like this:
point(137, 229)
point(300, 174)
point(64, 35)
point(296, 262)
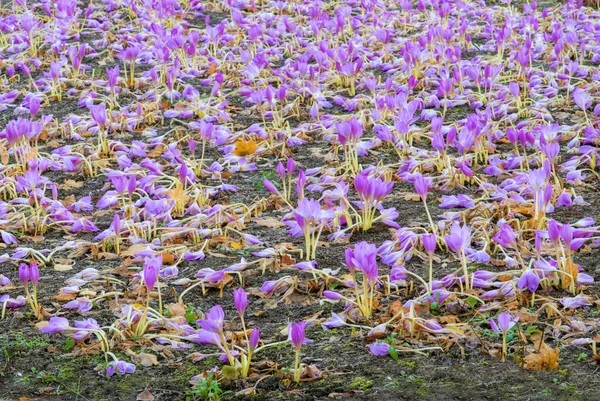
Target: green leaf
point(393, 353)
point(472, 301)
point(190, 317)
point(532, 330)
point(69, 344)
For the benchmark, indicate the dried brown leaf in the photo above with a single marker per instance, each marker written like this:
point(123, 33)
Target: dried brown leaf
point(145, 396)
point(177, 309)
point(543, 358)
point(146, 359)
point(269, 222)
point(245, 148)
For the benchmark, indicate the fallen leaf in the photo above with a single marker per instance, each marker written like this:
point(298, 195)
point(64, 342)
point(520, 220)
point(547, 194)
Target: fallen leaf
point(313, 318)
point(147, 359)
point(42, 324)
point(269, 222)
point(107, 255)
point(47, 391)
point(396, 307)
point(573, 271)
point(145, 396)
point(543, 357)
point(247, 392)
point(218, 255)
point(157, 151)
point(410, 196)
point(311, 372)
point(71, 184)
point(168, 258)
point(297, 298)
point(244, 148)
point(287, 260)
point(449, 319)
point(4, 157)
point(180, 197)
point(63, 296)
point(177, 309)
point(212, 68)
point(133, 249)
point(236, 245)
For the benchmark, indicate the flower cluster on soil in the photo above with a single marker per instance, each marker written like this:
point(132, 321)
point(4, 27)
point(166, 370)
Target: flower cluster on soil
point(299, 200)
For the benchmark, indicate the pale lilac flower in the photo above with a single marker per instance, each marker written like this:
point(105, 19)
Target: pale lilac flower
point(575, 302)
point(240, 300)
point(380, 349)
point(334, 321)
point(56, 325)
point(119, 367)
point(529, 280)
point(505, 323)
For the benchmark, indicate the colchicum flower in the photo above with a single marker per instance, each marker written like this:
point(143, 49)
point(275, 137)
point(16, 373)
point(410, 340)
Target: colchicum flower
point(371, 191)
point(505, 323)
point(459, 240)
point(296, 335)
point(363, 259)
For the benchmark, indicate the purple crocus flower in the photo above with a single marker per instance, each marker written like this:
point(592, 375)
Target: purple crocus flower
point(334, 321)
point(34, 273)
point(240, 300)
point(505, 323)
point(113, 76)
point(119, 367)
point(81, 304)
point(371, 189)
point(380, 349)
point(422, 185)
point(582, 98)
point(130, 54)
point(309, 214)
point(24, 273)
point(152, 266)
point(333, 296)
point(214, 319)
point(150, 276)
point(306, 266)
point(99, 114)
point(254, 338)
point(297, 334)
point(459, 238)
point(15, 303)
point(270, 186)
point(529, 280)
point(363, 258)
point(575, 302)
point(56, 325)
point(429, 242)
point(506, 237)
point(8, 238)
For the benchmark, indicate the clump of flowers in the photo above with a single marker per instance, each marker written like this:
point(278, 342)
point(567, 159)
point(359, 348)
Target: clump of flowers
point(371, 191)
point(30, 273)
